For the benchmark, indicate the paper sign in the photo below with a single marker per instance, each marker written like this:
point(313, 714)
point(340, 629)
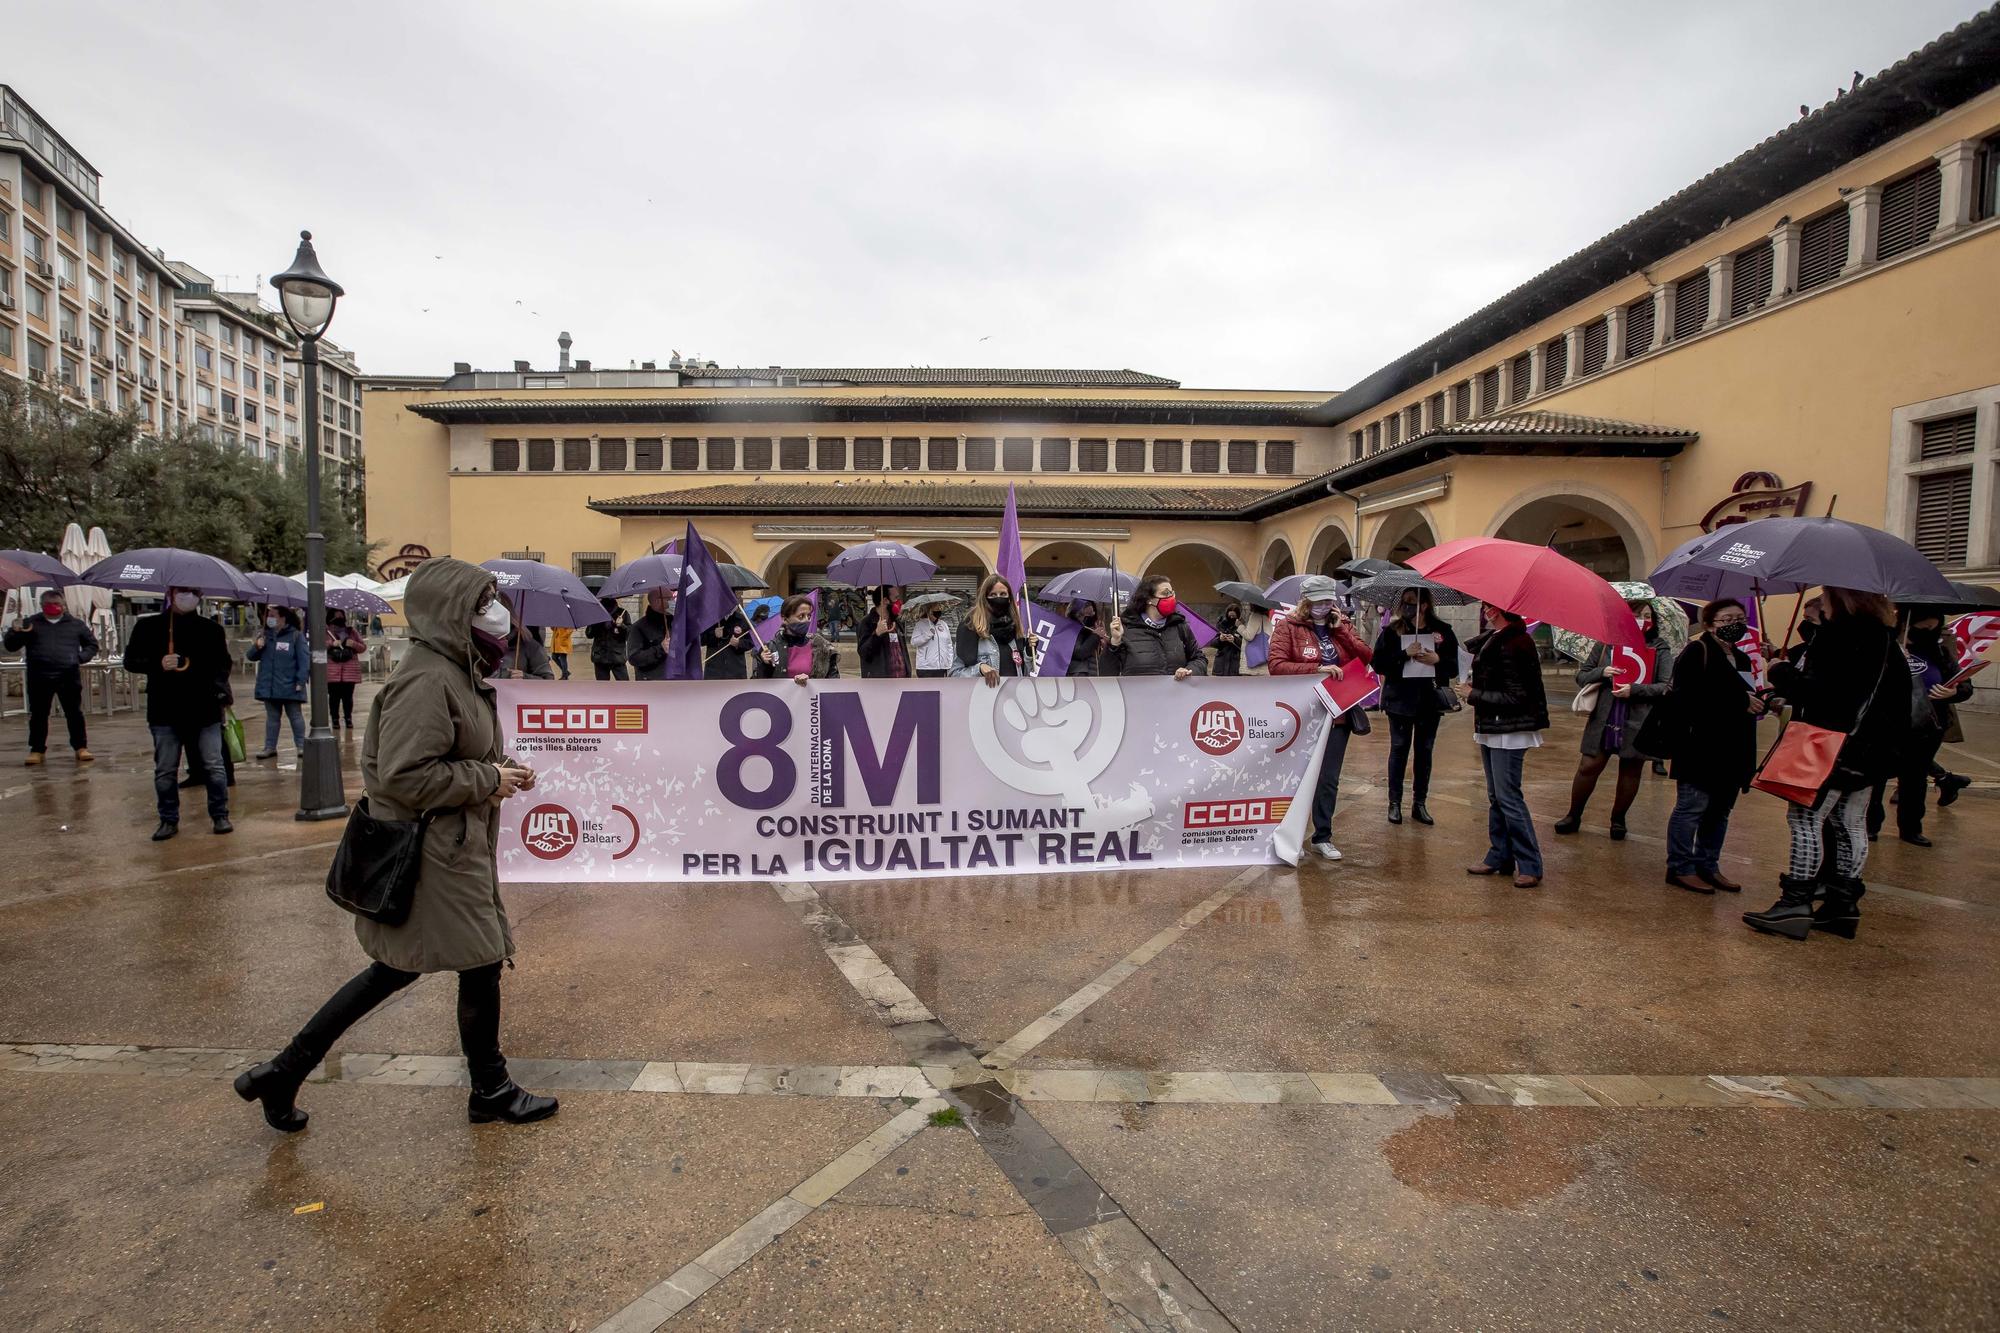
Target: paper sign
point(1357, 685)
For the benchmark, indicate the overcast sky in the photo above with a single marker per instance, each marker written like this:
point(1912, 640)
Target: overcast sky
point(1236, 194)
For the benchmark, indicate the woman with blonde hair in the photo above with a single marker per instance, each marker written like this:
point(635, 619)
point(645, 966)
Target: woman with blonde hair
point(993, 640)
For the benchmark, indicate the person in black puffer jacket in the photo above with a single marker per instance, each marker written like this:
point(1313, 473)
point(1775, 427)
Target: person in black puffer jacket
point(1509, 713)
point(647, 641)
point(53, 647)
point(1853, 679)
point(607, 642)
point(1151, 637)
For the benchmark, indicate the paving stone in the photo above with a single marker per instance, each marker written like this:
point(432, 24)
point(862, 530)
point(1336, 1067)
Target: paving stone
point(725, 1255)
point(1358, 1089)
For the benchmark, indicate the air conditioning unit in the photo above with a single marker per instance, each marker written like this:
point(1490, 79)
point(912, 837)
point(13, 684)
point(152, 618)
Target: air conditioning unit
point(6, 301)
point(127, 325)
point(121, 363)
point(99, 309)
point(45, 269)
point(148, 382)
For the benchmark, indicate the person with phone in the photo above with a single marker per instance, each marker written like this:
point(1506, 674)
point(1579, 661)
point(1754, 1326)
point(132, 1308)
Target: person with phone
point(433, 747)
point(185, 659)
point(1316, 639)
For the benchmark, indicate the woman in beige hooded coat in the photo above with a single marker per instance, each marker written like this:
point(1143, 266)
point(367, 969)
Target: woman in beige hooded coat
point(433, 744)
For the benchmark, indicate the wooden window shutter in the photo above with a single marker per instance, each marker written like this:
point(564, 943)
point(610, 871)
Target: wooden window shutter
point(1596, 347)
point(684, 455)
point(1909, 212)
point(1944, 517)
point(1131, 455)
point(1947, 436)
point(1555, 362)
point(832, 453)
point(576, 455)
point(1167, 455)
point(868, 454)
point(721, 453)
point(646, 456)
point(1055, 454)
point(1279, 456)
point(979, 454)
point(506, 455)
point(611, 455)
point(1489, 391)
point(1822, 248)
point(541, 455)
point(1750, 287)
point(1093, 455)
point(794, 454)
point(1461, 395)
point(1639, 317)
point(757, 454)
point(1392, 430)
point(905, 454)
point(941, 453)
point(1017, 455)
point(1437, 410)
point(1522, 377)
point(1690, 305)
point(1243, 455)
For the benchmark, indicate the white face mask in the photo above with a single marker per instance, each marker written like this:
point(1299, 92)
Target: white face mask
point(186, 602)
point(1320, 610)
point(495, 619)
point(270, 622)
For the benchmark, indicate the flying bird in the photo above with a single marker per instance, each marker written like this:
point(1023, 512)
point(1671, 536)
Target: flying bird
point(985, 337)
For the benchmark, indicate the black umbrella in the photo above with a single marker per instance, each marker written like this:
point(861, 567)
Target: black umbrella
point(1249, 594)
point(1968, 597)
point(736, 576)
point(1366, 567)
point(1387, 589)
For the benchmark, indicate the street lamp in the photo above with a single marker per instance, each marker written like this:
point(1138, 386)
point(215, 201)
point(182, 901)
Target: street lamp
point(308, 298)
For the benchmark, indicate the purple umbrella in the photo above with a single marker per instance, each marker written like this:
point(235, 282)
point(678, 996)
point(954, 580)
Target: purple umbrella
point(357, 600)
point(544, 595)
point(643, 575)
point(277, 590)
point(873, 564)
point(156, 569)
point(1781, 555)
point(53, 572)
point(1088, 585)
point(1286, 590)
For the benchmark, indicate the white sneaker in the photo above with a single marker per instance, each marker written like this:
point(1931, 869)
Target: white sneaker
point(1327, 851)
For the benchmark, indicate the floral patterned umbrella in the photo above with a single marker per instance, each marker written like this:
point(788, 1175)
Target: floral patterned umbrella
point(1667, 615)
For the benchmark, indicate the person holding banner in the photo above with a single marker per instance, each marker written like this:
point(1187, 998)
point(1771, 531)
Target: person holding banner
point(1623, 687)
point(878, 638)
point(1509, 713)
point(797, 651)
point(1152, 637)
point(1089, 643)
point(993, 639)
point(1416, 655)
point(1317, 640)
point(1715, 712)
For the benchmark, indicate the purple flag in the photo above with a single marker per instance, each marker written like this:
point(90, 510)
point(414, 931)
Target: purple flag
point(1058, 635)
point(703, 601)
point(1011, 566)
point(1204, 633)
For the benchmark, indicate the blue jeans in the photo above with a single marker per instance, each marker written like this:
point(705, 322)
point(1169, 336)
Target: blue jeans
point(1696, 829)
point(167, 745)
point(1508, 827)
point(292, 709)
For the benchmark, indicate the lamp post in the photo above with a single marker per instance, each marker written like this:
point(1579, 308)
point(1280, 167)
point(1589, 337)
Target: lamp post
point(308, 298)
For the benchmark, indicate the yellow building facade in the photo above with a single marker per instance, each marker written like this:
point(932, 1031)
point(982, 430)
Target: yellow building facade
point(1813, 327)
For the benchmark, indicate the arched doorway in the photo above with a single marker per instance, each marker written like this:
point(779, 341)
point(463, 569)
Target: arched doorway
point(1195, 567)
point(1052, 558)
point(1583, 528)
point(960, 568)
point(1276, 564)
point(799, 566)
point(1331, 548)
point(1403, 533)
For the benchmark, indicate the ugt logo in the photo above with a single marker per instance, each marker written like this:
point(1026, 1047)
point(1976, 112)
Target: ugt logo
point(1217, 728)
point(549, 831)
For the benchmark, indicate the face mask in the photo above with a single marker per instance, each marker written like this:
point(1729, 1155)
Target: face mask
point(1168, 605)
point(494, 620)
point(1807, 628)
point(1087, 618)
point(1732, 632)
point(336, 621)
point(53, 610)
point(270, 622)
point(895, 609)
point(1230, 617)
point(999, 603)
point(796, 630)
point(1320, 610)
point(1409, 610)
point(186, 602)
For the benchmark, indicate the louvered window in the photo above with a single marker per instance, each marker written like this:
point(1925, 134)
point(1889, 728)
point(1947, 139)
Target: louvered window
point(868, 454)
point(1523, 377)
point(1093, 455)
point(1596, 347)
point(757, 454)
point(1822, 248)
point(1639, 317)
point(611, 455)
point(1055, 455)
point(1437, 410)
point(832, 453)
point(1489, 391)
point(1555, 363)
point(794, 454)
point(1750, 283)
point(1167, 455)
point(1392, 431)
point(506, 455)
point(1690, 305)
point(1987, 204)
point(941, 453)
point(647, 455)
point(721, 453)
point(1909, 212)
point(576, 455)
point(1356, 443)
point(684, 455)
point(1944, 517)
point(1374, 437)
point(1461, 398)
point(1946, 437)
point(1413, 421)
point(541, 455)
point(1131, 455)
point(979, 454)
point(906, 454)
point(1205, 456)
point(1017, 455)
point(1278, 456)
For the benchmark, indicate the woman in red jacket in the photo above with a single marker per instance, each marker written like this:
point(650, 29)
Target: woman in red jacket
point(1315, 639)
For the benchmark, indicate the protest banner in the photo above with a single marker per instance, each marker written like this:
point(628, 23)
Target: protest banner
point(727, 780)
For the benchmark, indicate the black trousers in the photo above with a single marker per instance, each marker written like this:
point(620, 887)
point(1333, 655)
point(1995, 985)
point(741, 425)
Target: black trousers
point(618, 672)
point(478, 1021)
point(43, 693)
point(1327, 791)
point(340, 702)
point(1913, 782)
point(1405, 733)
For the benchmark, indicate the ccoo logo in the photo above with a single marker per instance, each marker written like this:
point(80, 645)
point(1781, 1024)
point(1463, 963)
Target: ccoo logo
point(549, 831)
point(1217, 728)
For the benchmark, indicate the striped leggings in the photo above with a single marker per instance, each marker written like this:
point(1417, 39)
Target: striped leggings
point(1845, 817)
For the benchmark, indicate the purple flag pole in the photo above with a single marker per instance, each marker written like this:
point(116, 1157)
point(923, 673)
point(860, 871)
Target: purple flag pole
point(704, 601)
point(1010, 566)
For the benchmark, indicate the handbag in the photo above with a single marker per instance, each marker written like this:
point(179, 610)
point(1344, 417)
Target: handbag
point(232, 736)
point(1448, 700)
point(1586, 698)
point(1802, 759)
point(339, 651)
point(374, 870)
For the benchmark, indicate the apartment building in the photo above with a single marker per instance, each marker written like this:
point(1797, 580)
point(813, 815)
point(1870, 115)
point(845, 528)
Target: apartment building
point(241, 369)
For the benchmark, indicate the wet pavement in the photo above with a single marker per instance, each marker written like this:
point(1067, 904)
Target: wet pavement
point(1374, 1094)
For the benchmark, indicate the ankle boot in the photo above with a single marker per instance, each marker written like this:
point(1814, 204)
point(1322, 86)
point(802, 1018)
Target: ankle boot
point(277, 1089)
point(1840, 910)
point(1422, 815)
point(1395, 812)
point(1570, 822)
point(1791, 916)
point(511, 1103)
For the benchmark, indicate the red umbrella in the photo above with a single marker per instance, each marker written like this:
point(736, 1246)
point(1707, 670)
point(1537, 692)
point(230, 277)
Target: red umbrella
point(1535, 582)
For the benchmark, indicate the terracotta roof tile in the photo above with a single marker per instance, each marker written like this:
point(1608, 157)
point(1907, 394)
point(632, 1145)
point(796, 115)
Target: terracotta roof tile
point(938, 498)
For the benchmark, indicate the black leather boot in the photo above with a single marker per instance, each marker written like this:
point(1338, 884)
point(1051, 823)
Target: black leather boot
point(1792, 915)
point(1840, 911)
point(1395, 812)
point(1422, 815)
point(277, 1090)
point(510, 1103)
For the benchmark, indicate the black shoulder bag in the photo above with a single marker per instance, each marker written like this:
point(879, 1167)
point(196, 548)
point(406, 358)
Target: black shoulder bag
point(374, 871)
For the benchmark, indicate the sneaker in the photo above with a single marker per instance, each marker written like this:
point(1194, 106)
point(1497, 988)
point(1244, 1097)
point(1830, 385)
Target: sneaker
point(1326, 850)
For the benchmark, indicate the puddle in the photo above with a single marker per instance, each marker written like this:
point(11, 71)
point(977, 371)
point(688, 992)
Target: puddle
point(1497, 1156)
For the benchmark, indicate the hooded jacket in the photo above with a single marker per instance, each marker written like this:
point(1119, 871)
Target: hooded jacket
point(433, 743)
point(284, 666)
